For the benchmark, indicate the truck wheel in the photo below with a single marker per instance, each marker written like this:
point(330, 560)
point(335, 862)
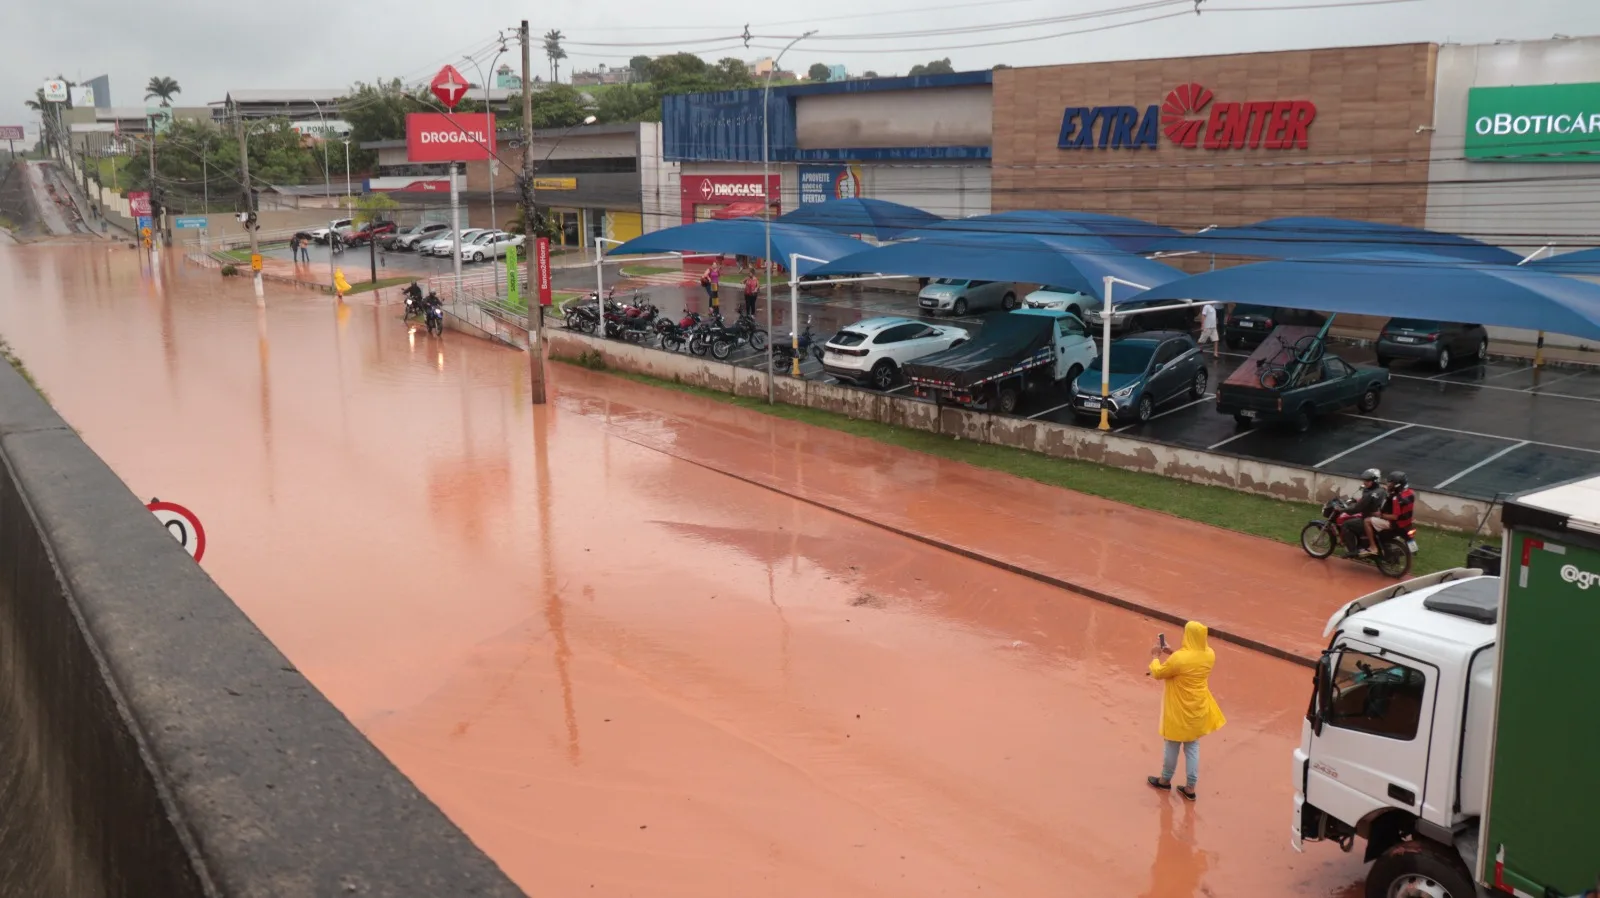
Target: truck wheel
point(1072, 375)
point(1369, 401)
point(1006, 402)
point(1418, 868)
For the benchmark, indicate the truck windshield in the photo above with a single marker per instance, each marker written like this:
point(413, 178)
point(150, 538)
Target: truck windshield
point(1127, 359)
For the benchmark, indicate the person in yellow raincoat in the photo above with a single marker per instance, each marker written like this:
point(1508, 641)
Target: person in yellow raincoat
point(340, 285)
point(1188, 711)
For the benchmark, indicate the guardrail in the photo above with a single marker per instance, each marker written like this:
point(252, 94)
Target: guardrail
point(152, 741)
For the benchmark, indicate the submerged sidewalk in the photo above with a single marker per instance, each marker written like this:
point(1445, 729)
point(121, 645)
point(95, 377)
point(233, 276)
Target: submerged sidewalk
point(1253, 592)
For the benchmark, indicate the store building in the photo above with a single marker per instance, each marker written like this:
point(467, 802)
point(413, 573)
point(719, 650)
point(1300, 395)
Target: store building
point(1516, 146)
point(592, 181)
point(922, 141)
point(1221, 140)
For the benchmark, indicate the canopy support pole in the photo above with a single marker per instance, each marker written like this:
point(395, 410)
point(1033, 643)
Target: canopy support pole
point(1538, 346)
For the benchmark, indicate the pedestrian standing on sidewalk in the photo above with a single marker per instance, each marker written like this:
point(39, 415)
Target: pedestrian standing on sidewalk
point(752, 289)
point(1188, 710)
point(1208, 328)
point(714, 275)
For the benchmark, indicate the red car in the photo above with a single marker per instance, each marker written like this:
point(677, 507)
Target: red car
point(368, 232)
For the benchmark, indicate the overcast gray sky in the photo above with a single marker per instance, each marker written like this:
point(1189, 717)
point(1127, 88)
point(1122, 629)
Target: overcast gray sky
point(210, 48)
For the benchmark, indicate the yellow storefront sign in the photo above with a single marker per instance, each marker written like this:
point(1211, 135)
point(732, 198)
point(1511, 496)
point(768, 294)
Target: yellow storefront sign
point(555, 183)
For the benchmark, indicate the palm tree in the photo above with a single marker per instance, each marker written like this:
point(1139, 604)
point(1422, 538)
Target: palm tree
point(162, 87)
point(552, 49)
point(39, 104)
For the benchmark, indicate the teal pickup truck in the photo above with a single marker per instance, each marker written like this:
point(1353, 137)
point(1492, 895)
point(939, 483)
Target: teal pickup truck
point(1290, 379)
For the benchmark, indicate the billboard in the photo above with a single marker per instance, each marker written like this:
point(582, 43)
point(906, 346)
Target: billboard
point(83, 97)
point(1189, 119)
point(56, 91)
point(820, 183)
point(702, 195)
point(139, 202)
point(1537, 123)
point(436, 137)
point(11, 132)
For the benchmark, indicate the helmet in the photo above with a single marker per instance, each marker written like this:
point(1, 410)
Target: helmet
point(1371, 474)
point(1398, 478)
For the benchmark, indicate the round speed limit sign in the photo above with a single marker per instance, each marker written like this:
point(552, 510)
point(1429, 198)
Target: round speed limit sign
point(182, 524)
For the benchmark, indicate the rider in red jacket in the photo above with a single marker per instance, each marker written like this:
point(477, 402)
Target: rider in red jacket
point(1398, 510)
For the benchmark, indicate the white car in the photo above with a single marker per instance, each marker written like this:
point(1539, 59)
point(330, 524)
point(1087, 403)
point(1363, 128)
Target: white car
point(489, 245)
point(959, 296)
point(444, 244)
point(1060, 299)
point(409, 238)
point(872, 350)
point(343, 225)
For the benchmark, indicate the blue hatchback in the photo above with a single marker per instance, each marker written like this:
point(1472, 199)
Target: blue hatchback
point(1146, 371)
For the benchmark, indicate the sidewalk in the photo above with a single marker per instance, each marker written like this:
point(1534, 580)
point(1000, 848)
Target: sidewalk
point(1259, 594)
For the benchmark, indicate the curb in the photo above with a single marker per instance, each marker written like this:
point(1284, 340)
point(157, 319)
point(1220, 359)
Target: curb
point(1226, 635)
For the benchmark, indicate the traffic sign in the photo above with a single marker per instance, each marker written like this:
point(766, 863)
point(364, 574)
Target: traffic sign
point(189, 221)
point(182, 524)
point(449, 86)
point(255, 261)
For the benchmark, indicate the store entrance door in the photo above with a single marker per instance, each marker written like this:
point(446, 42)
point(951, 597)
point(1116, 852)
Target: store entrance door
point(570, 226)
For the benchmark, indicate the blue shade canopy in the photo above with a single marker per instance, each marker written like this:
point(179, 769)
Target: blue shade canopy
point(1079, 263)
point(1128, 234)
point(1584, 261)
point(880, 218)
point(744, 237)
point(1304, 238)
point(1405, 285)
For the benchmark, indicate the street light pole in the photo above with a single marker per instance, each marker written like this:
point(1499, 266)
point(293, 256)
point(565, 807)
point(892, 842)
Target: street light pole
point(491, 164)
point(766, 205)
point(327, 191)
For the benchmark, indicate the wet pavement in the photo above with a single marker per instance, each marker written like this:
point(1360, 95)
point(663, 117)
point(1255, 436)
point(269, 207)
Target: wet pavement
point(1477, 430)
point(625, 673)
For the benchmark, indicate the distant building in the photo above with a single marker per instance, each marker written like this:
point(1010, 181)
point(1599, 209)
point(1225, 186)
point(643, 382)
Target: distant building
point(837, 73)
point(602, 75)
point(505, 79)
point(101, 85)
point(290, 104)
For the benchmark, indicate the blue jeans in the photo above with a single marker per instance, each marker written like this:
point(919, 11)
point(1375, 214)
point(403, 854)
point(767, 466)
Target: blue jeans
point(1191, 760)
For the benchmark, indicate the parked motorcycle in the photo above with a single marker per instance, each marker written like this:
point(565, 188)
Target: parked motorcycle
point(675, 335)
point(1394, 550)
point(632, 322)
point(722, 338)
point(783, 351)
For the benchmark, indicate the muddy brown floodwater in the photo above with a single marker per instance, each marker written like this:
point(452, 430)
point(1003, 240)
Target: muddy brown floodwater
point(621, 672)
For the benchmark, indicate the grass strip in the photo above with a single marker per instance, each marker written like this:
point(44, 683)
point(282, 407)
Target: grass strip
point(634, 271)
point(1263, 516)
point(367, 286)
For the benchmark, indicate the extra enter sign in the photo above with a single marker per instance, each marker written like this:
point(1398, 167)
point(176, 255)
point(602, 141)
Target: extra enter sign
point(182, 524)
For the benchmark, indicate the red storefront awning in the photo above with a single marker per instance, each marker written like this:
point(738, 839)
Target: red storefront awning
point(737, 210)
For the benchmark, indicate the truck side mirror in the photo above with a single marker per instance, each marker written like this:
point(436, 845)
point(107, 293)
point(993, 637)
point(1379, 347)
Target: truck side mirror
point(1322, 699)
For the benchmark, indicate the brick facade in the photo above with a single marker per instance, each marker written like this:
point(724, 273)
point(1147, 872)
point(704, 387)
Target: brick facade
point(1365, 157)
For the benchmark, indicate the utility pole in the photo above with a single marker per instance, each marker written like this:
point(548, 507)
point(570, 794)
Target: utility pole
point(529, 227)
point(249, 200)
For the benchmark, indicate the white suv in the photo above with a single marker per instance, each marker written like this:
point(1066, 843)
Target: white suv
point(342, 225)
point(1060, 299)
point(872, 350)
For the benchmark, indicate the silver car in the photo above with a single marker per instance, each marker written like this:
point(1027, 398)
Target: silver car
point(961, 296)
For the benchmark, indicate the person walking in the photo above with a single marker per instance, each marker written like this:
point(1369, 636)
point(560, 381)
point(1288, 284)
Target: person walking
point(752, 289)
point(1208, 328)
point(1188, 711)
point(294, 249)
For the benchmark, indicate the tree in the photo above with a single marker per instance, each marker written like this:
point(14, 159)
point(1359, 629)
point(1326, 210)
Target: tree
point(641, 68)
point(869, 74)
point(553, 52)
point(937, 67)
point(819, 71)
point(372, 207)
point(556, 106)
point(731, 73)
point(163, 88)
point(629, 103)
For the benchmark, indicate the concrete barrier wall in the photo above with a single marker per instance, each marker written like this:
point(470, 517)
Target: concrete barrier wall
point(152, 741)
point(1132, 453)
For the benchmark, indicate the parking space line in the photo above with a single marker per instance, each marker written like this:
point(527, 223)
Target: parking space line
point(1169, 411)
point(896, 389)
point(1553, 383)
point(1361, 445)
point(1049, 410)
point(1462, 383)
point(1242, 433)
point(1460, 474)
point(1508, 373)
point(1470, 433)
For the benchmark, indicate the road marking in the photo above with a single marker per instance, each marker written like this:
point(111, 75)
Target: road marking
point(1169, 411)
point(1463, 383)
point(1362, 445)
point(1243, 433)
point(1471, 433)
point(1506, 373)
point(1506, 451)
point(1049, 410)
point(1553, 383)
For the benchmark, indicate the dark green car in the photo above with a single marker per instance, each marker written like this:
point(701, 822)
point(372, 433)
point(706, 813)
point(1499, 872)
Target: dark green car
point(1299, 394)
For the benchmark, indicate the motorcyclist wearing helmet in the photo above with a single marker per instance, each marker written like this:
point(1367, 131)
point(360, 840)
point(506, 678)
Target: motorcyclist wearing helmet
point(1369, 504)
point(1398, 508)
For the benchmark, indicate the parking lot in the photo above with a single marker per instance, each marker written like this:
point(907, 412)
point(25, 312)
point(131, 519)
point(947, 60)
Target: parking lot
point(1479, 431)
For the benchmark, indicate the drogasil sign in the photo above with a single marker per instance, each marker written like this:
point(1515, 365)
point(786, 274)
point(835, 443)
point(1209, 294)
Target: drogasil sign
point(465, 137)
point(1191, 117)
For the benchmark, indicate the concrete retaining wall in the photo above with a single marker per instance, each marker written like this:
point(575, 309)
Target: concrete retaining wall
point(1058, 440)
point(152, 741)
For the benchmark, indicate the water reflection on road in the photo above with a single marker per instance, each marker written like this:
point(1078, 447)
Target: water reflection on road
point(626, 674)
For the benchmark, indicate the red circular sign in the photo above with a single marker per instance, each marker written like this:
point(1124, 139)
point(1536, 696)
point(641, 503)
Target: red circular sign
point(449, 86)
point(183, 524)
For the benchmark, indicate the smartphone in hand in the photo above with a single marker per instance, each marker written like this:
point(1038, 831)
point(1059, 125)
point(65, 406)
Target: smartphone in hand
point(1161, 640)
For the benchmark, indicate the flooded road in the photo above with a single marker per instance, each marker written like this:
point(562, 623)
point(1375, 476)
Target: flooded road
point(620, 671)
